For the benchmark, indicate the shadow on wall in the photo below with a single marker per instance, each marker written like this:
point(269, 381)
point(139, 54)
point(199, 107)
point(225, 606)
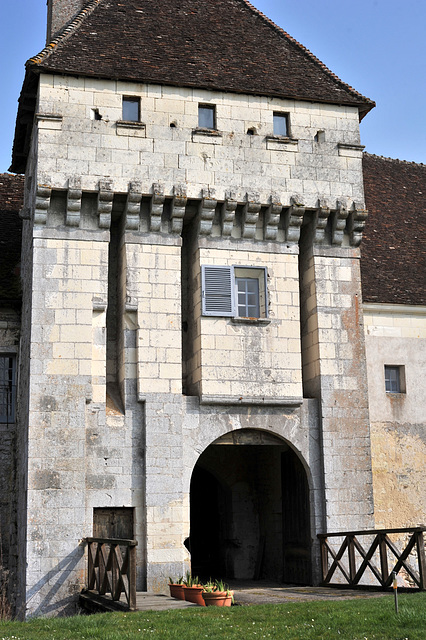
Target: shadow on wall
point(49, 586)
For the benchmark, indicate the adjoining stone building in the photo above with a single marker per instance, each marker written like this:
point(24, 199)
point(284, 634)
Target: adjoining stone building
point(393, 270)
point(192, 353)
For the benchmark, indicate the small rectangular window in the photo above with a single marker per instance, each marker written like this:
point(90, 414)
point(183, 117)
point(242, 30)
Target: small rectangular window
point(238, 292)
point(394, 379)
point(281, 127)
point(7, 388)
point(206, 116)
point(248, 297)
point(131, 109)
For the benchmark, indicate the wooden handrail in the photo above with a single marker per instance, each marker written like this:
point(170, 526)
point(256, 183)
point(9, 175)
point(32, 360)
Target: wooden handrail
point(351, 550)
point(369, 532)
point(111, 572)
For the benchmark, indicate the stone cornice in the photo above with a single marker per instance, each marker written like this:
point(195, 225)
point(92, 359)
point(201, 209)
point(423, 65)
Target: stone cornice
point(158, 211)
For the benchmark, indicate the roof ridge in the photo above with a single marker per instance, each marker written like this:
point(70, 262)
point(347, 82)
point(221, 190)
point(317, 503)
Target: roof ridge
point(307, 51)
point(64, 33)
point(387, 158)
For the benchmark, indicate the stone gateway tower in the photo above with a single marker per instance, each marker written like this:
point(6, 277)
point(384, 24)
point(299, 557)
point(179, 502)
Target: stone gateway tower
point(192, 360)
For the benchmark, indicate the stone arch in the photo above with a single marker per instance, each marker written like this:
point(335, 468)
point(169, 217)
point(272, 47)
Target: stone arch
point(250, 509)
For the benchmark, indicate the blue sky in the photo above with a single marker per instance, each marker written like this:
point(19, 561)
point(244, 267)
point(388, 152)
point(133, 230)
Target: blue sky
point(376, 46)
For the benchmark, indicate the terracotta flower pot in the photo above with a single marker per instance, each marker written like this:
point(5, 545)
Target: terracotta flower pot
point(194, 594)
point(176, 591)
point(218, 598)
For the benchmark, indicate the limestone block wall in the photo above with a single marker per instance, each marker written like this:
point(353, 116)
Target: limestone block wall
point(396, 335)
point(321, 158)
point(244, 360)
point(67, 276)
point(335, 372)
point(154, 288)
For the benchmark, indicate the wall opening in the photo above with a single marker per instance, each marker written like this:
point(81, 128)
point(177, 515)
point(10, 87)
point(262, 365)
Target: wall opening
point(250, 514)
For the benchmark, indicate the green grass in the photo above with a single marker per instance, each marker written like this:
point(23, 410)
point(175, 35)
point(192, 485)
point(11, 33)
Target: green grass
point(359, 619)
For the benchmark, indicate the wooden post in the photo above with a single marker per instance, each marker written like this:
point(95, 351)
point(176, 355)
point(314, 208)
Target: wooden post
point(383, 558)
point(420, 543)
point(132, 577)
point(351, 557)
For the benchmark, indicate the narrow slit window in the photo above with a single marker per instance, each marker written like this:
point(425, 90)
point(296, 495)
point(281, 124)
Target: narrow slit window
point(281, 127)
point(206, 116)
point(131, 109)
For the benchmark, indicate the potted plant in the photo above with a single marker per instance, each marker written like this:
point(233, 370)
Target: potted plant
point(193, 590)
point(176, 588)
point(217, 594)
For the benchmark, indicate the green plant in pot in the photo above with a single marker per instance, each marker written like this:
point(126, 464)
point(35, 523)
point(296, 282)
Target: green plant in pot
point(193, 589)
point(217, 594)
point(176, 588)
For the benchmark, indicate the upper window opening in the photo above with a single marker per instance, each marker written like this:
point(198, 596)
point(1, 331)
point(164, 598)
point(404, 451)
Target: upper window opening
point(206, 116)
point(281, 127)
point(7, 389)
point(238, 292)
point(131, 109)
point(248, 297)
point(394, 379)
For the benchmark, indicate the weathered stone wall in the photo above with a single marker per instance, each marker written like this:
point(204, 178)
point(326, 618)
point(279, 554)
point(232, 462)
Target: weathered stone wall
point(335, 373)
point(308, 165)
point(397, 336)
point(157, 186)
point(248, 360)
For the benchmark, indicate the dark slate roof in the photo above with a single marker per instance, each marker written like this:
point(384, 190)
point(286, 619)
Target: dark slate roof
point(393, 250)
point(215, 44)
point(224, 45)
point(11, 200)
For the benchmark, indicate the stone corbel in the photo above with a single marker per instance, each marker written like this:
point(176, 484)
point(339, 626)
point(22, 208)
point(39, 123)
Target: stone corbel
point(157, 206)
point(321, 218)
point(178, 208)
point(293, 219)
point(206, 212)
point(133, 206)
point(356, 223)
point(42, 203)
point(105, 198)
point(74, 194)
point(251, 215)
point(339, 222)
point(272, 217)
point(228, 213)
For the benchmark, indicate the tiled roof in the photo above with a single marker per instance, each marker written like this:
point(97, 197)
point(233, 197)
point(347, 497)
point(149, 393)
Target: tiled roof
point(214, 44)
point(11, 199)
point(393, 250)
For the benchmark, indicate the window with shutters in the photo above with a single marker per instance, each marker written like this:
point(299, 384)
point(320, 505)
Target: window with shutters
point(238, 292)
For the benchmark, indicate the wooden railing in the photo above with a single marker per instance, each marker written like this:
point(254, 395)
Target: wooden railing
point(112, 569)
point(352, 558)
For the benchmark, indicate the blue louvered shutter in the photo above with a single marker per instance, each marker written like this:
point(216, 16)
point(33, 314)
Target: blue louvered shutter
point(217, 290)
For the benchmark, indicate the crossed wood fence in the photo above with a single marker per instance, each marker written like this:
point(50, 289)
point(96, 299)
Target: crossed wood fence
point(353, 559)
point(112, 569)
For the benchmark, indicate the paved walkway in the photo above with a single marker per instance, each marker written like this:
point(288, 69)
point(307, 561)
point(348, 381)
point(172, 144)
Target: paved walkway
point(259, 593)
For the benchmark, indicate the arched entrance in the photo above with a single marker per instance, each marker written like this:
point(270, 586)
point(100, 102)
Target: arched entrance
point(250, 516)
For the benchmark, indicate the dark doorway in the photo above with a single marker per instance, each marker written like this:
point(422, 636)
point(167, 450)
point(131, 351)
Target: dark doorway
point(250, 511)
